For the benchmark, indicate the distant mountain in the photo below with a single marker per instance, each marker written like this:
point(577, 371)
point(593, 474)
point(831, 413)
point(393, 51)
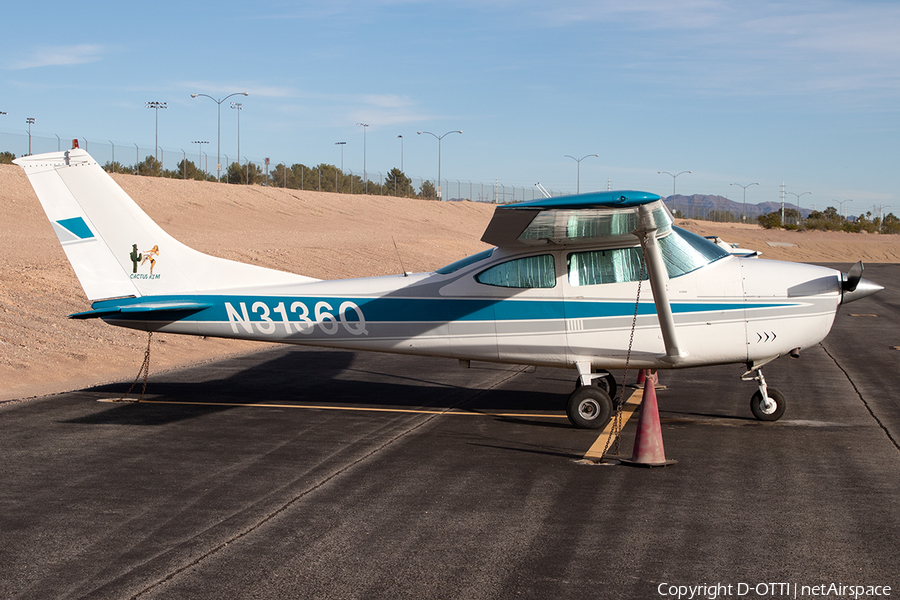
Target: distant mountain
point(700, 205)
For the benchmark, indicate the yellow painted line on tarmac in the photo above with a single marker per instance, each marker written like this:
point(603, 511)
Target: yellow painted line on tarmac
point(596, 450)
point(346, 408)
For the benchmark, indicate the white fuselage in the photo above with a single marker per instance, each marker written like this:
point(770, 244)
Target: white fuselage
point(732, 310)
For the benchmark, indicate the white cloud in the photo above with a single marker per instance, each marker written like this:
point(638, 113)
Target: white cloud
point(53, 56)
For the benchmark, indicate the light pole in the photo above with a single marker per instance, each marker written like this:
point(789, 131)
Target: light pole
point(156, 106)
point(365, 127)
point(673, 183)
point(841, 202)
point(799, 212)
point(238, 107)
point(744, 210)
point(578, 160)
point(200, 154)
point(341, 144)
point(401, 152)
point(30, 121)
point(219, 128)
point(439, 138)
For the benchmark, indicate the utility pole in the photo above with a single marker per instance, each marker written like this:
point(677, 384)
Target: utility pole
point(782, 202)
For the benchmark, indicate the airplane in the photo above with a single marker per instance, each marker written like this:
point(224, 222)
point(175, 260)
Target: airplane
point(563, 285)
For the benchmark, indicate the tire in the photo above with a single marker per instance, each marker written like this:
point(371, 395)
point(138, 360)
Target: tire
point(607, 384)
point(589, 407)
point(758, 408)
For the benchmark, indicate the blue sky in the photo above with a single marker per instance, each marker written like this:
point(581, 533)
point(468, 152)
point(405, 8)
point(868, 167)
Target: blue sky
point(736, 92)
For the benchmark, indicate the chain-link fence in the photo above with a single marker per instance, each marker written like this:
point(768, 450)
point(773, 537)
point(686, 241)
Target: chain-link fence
point(197, 163)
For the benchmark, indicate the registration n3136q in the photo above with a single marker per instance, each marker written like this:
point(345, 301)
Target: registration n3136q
point(297, 317)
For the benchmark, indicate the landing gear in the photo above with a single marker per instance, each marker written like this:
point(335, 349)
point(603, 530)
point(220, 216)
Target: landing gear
point(589, 407)
point(604, 380)
point(767, 404)
point(767, 411)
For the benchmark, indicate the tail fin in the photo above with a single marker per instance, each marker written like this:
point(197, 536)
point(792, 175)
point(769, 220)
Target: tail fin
point(117, 250)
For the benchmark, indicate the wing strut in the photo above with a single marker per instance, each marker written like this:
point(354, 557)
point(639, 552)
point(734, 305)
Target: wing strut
point(659, 280)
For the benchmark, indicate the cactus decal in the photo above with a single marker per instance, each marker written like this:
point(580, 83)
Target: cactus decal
point(135, 256)
point(139, 258)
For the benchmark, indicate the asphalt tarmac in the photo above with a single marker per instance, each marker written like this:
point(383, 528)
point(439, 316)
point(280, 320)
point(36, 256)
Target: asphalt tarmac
point(310, 473)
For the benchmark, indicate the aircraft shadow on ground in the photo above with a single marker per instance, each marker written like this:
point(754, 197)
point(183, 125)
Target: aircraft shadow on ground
point(304, 376)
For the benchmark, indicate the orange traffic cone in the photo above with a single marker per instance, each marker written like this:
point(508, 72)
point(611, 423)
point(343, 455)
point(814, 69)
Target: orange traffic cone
point(654, 378)
point(648, 443)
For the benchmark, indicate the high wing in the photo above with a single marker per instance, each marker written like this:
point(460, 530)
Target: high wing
point(605, 218)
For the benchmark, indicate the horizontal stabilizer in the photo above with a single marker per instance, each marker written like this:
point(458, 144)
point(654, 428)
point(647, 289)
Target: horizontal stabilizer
point(177, 309)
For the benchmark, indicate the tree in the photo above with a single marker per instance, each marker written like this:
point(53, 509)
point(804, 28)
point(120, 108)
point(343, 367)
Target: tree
point(427, 190)
point(6, 158)
point(248, 174)
point(891, 224)
point(150, 167)
point(771, 220)
point(398, 184)
point(188, 170)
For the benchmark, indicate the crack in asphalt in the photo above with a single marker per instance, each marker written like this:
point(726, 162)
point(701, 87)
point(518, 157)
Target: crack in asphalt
point(865, 403)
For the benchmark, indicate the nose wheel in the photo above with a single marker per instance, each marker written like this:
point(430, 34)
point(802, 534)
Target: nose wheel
point(767, 404)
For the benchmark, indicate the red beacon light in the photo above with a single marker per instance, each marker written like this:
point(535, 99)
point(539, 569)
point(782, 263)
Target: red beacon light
point(74, 143)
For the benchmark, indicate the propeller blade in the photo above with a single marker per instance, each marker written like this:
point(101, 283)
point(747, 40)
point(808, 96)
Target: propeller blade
point(852, 277)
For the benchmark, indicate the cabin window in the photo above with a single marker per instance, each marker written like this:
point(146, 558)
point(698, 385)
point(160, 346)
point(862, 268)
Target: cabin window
point(528, 272)
point(605, 266)
point(684, 252)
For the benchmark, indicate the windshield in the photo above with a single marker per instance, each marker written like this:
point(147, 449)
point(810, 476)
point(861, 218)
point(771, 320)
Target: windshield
point(684, 251)
point(465, 262)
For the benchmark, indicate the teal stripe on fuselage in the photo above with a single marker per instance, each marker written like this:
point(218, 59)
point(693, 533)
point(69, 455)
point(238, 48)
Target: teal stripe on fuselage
point(392, 309)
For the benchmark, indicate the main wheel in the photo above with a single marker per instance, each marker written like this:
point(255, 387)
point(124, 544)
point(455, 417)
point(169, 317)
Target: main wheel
point(759, 407)
point(607, 384)
point(589, 407)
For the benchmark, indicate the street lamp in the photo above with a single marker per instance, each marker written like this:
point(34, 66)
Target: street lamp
point(439, 138)
point(200, 154)
point(238, 107)
point(578, 160)
point(744, 210)
point(30, 121)
point(799, 212)
point(219, 129)
point(156, 106)
point(3, 113)
point(401, 152)
point(341, 144)
point(365, 127)
point(841, 202)
point(673, 183)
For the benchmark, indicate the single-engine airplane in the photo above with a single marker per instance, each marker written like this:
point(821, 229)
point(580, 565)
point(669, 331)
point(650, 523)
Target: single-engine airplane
point(563, 286)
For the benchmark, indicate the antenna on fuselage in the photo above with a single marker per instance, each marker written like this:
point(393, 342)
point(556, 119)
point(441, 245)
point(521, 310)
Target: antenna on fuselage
point(396, 249)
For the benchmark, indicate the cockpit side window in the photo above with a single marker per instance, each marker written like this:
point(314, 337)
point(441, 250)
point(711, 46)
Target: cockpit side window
point(528, 272)
point(605, 266)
